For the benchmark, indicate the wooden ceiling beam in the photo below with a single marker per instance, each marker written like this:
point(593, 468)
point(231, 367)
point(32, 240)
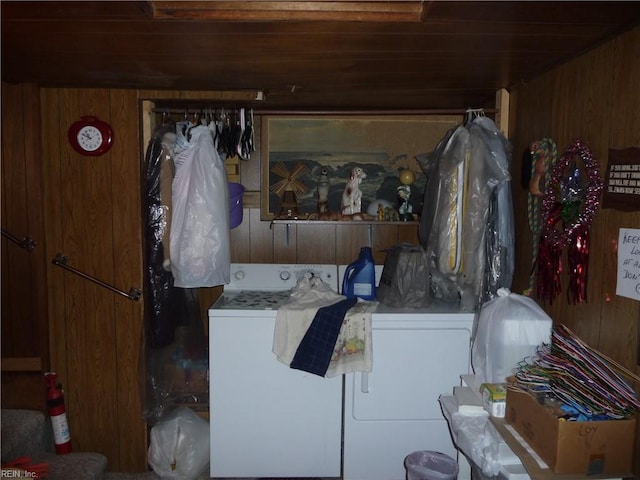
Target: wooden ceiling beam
point(258, 11)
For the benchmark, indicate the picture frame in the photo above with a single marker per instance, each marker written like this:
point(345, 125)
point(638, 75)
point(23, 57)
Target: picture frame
point(297, 150)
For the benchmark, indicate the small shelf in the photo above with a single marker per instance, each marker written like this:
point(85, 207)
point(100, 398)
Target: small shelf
point(293, 221)
point(365, 223)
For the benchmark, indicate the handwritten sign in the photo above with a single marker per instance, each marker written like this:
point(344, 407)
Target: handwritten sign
point(629, 263)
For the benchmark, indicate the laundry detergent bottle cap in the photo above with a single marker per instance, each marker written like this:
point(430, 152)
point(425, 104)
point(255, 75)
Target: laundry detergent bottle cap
point(360, 277)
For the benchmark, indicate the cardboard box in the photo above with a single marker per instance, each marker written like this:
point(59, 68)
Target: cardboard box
point(494, 397)
point(583, 448)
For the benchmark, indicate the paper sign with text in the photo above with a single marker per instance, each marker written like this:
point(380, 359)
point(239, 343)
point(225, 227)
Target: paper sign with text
point(629, 263)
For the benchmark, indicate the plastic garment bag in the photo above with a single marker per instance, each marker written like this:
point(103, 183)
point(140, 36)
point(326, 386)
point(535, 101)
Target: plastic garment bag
point(500, 241)
point(159, 292)
point(466, 226)
point(486, 174)
point(430, 165)
point(200, 246)
point(443, 288)
point(441, 227)
point(447, 239)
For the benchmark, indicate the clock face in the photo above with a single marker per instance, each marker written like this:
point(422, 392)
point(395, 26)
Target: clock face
point(89, 138)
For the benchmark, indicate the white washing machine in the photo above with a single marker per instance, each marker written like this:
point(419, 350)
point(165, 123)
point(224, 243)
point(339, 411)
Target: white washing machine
point(266, 419)
point(395, 409)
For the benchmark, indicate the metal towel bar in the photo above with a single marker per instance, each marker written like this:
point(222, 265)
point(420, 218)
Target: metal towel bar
point(29, 244)
point(61, 261)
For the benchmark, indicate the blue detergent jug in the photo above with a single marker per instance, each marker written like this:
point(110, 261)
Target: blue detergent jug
point(360, 277)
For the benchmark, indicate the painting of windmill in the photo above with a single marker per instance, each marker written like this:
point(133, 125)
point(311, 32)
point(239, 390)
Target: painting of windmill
point(288, 187)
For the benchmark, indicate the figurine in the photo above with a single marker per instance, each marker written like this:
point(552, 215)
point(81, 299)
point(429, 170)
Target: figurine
point(323, 191)
point(352, 196)
point(539, 168)
point(390, 214)
point(407, 177)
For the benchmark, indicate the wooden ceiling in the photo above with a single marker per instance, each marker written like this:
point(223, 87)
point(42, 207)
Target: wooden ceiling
point(308, 55)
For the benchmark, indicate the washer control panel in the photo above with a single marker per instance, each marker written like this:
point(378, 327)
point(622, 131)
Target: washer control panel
point(275, 277)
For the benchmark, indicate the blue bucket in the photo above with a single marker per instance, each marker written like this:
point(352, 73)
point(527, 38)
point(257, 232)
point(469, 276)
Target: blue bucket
point(235, 204)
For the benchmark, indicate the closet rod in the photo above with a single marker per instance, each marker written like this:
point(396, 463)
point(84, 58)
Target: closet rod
point(259, 111)
point(191, 109)
point(61, 261)
point(436, 111)
point(29, 244)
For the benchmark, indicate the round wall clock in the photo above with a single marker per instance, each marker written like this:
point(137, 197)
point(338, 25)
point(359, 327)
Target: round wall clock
point(91, 136)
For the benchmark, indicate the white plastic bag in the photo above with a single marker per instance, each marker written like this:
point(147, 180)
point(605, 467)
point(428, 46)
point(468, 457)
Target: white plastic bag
point(179, 446)
point(200, 245)
point(509, 328)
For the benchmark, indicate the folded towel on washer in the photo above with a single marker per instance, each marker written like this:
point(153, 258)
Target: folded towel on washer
point(316, 347)
point(352, 347)
point(353, 351)
point(294, 317)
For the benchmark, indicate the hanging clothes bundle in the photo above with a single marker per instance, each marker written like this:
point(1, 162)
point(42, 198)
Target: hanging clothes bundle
point(187, 217)
point(500, 241)
point(159, 292)
point(467, 221)
point(186, 247)
point(232, 129)
point(199, 235)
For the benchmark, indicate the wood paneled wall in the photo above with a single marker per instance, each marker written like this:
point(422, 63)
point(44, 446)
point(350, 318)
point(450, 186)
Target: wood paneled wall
point(260, 242)
point(596, 98)
point(92, 214)
point(25, 344)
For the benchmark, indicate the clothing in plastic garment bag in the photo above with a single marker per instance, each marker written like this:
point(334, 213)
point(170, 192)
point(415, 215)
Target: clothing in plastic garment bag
point(500, 242)
point(467, 226)
point(200, 246)
point(160, 296)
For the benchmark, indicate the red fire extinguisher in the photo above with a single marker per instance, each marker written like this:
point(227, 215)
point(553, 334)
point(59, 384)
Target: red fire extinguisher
point(58, 414)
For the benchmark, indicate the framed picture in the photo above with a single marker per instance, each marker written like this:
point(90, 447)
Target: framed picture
point(308, 161)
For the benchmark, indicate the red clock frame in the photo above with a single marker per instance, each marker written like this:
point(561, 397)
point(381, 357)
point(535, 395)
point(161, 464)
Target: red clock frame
point(103, 127)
